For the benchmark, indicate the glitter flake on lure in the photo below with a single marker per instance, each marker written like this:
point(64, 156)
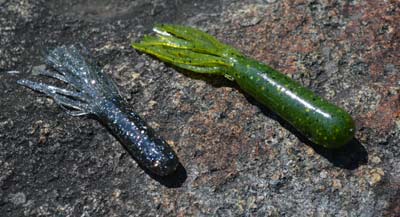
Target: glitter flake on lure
point(95, 94)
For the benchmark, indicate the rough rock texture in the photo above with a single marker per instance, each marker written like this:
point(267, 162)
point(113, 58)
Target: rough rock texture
point(238, 158)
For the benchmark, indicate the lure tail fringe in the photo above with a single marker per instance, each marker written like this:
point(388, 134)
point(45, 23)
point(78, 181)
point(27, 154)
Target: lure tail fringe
point(188, 48)
point(88, 81)
point(94, 93)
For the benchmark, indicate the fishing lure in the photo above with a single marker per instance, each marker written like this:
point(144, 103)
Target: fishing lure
point(96, 95)
point(320, 121)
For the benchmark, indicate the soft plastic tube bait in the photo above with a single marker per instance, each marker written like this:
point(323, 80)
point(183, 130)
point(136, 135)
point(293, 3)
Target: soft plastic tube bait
point(95, 94)
point(319, 120)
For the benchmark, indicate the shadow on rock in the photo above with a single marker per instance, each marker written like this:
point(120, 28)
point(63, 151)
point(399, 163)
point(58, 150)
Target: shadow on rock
point(173, 180)
point(350, 156)
point(213, 80)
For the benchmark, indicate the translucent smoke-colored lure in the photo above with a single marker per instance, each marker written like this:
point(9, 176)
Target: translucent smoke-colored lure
point(320, 121)
point(94, 93)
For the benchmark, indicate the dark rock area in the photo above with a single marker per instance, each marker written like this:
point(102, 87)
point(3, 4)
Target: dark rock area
point(238, 159)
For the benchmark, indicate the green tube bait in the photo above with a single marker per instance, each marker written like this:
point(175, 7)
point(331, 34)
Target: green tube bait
point(319, 120)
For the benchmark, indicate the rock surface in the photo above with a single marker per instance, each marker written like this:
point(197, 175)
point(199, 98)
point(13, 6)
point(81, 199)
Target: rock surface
point(238, 158)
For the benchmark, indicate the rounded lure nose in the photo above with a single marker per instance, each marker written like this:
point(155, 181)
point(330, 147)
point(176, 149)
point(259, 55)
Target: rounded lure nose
point(340, 131)
point(167, 165)
point(161, 159)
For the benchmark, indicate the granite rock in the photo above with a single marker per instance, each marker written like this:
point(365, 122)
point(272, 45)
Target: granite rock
point(238, 158)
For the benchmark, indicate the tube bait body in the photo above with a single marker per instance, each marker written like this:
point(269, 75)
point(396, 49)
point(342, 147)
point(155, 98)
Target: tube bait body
point(95, 94)
point(319, 120)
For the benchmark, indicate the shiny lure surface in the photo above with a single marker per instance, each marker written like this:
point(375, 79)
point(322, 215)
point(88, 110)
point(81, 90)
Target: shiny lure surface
point(94, 93)
point(319, 120)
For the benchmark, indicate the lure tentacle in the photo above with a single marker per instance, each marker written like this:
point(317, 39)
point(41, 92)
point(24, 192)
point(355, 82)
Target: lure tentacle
point(64, 98)
point(199, 41)
point(57, 76)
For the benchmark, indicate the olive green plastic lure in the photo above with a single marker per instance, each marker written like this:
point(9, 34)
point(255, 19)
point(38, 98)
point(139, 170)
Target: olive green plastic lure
point(320, 121)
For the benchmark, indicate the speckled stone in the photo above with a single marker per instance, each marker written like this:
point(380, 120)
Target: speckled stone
point(238, 159)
